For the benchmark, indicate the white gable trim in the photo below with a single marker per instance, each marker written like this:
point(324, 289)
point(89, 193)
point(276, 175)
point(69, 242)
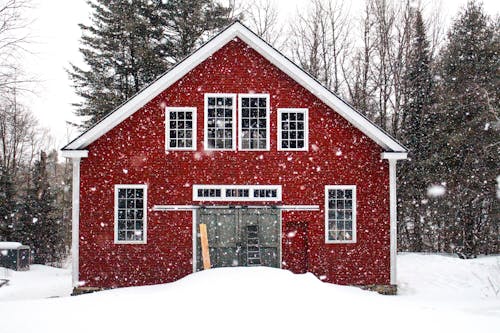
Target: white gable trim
point(279, 60)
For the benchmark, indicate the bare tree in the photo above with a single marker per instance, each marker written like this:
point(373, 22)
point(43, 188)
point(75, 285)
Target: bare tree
point(13, 41)
point(263, 18)
point(320, 41)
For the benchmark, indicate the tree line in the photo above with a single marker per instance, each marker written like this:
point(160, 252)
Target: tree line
point(34, 192)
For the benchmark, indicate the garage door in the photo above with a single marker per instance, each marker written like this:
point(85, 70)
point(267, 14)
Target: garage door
point(240, 237)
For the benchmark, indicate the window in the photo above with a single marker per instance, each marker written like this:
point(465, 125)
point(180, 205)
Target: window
point(254, 122)
point(237, 192)
point(293, 131)
point(130, 214)
point(220, 117)
point(180, 128)
point(340, 214)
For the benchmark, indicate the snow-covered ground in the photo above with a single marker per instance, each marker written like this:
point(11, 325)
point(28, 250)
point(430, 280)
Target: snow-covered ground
point(437, 294)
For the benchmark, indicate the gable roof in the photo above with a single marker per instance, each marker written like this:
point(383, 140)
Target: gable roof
point(236, 29)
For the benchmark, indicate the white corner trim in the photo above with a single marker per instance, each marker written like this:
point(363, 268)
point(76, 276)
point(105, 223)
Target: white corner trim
point(195, 237)
point(394, 155)
point(354, 213)
point(145, 213)
point(75, 153)
point(75, 223)
point(205, 123)
point(306, 129)
point(393, 218)
point(169, 109)
point(240, 121)
point(236, 30)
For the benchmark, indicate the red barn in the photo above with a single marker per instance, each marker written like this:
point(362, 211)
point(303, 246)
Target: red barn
point(283, 172)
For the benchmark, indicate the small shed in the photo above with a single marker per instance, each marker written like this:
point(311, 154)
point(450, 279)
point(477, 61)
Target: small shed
point(15, 256)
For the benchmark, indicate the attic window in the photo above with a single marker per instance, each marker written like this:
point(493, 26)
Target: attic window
point(293, 129)
point(130, 214)
point(253, 121)
point(340, 214)
point(220, 117)
point(180, 131)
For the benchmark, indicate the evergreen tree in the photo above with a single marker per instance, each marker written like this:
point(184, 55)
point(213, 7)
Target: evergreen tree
point(122, 50)
point(467, 143)
point(130, 43)
point(40, 227)
point(7, 206)
point(415, 134)
point(188, 22)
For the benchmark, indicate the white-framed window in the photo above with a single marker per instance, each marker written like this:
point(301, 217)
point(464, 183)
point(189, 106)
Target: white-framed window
point(340, 214)
point(220, 122)
point(237, 192)
point(253, 123)
point(180, 131)
point(131, 214)
point(293, 129)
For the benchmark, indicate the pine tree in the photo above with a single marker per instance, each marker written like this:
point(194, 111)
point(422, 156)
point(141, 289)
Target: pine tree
point(7, 206)
point(415, 134)
point(187, 24)
point(122, 50)
point(467, 144)
point(40, 226)
point(131, 43)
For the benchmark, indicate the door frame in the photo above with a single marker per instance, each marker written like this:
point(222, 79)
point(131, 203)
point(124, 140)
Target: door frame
point(195, 231)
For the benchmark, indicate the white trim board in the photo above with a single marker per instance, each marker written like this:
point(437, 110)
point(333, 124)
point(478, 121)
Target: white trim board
point(238, 30)
point(168, 208)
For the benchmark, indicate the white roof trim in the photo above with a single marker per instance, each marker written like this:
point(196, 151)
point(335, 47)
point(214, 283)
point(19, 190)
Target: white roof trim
point(276, 58)
point(394, 155)
point(75, 153)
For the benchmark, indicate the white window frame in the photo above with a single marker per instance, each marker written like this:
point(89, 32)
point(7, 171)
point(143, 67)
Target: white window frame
point(169, 109)
point(354, 213)
point(145, 213)
point(205, 116)
point(250, 188)
point(306, 128)
point(240, 121)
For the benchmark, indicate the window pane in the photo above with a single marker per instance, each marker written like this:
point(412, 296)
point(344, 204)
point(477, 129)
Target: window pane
point(292, 130)
point(253, 123)
point(340, 214)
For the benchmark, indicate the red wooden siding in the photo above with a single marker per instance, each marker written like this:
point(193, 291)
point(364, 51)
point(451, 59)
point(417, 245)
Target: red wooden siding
point(134, 153)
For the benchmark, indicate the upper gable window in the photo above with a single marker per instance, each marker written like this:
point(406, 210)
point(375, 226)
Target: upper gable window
point(220, 117)
point(180, 131)
point(293, 131)
point(253, 122)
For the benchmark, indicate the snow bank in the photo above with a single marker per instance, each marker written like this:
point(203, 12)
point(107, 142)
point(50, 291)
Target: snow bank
point(449, 282)
point(39, 282)
point(259, 299)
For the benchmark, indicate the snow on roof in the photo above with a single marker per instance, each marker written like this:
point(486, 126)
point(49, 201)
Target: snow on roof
point(236, 30)
point(9, 245)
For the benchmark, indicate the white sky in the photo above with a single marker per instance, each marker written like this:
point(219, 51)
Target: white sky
point(56, 34)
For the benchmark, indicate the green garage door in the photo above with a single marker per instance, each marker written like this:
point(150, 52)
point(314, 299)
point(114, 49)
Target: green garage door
point(240, 237)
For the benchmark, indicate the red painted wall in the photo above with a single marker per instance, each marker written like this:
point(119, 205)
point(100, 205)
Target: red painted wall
point(134, 153)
